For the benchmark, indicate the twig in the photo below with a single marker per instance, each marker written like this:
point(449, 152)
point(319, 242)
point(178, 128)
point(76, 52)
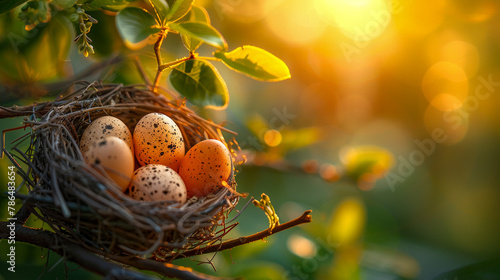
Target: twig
point(143, 74)
point(157, 50)
point(304, 218)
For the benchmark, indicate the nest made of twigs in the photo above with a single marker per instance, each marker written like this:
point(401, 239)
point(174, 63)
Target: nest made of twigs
point(80, 204)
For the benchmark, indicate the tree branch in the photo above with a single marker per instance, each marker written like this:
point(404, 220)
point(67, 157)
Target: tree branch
point(304, 218)
point(95, 263)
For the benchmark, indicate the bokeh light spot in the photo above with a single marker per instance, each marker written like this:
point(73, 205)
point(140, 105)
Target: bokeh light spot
point(452, 126)
point(445, 78)
point(301, 246)
point(462, 54)
point(348, 221)
point(272, 137)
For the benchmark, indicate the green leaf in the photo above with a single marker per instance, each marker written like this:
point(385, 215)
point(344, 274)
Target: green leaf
point(200, 83)
point(135, 25)
point(39, 54)
point(10, 4)
point(198, 14)
point(256, 63)
point(160, 8)
point(200, 31)
point(366, 162)
point(109, 5)
point(63, 4)
point(178, 9)
point(106, 40)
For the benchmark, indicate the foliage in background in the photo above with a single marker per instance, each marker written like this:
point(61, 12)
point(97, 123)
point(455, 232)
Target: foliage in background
point(139, 24)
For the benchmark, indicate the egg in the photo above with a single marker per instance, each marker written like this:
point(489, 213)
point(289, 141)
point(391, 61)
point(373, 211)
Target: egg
point(113, 156)
point(158, 140)
point(103, 127)
point(204, 167)
point(156, 182)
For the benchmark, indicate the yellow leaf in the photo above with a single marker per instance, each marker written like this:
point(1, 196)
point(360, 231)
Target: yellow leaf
point(348, 222)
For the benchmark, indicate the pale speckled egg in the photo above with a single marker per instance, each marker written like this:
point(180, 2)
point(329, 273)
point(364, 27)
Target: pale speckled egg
point(204, 167)
point(158, 139)
point(112, 155)
point(103, 127)
point(157, 182)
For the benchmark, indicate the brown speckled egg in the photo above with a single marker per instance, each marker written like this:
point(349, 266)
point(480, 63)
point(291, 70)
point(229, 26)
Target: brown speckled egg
point(204, 167)
point(103, 127)
point(156, 182)
point(157, 139)
point(112, 155)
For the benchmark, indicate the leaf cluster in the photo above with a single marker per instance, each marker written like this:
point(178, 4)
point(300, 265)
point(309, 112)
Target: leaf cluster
point(148, 22)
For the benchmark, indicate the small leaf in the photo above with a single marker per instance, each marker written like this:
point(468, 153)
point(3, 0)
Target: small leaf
point(63, 4)
point(160, 8)
point(200, 83)
point(39, 54)
point(135, 26)
point(109, 5)
point(198, 14)
point(348, 222)
point(366, 164)
point(256, 63)
point(178, 9)
point(202, 32)
point(10, 4)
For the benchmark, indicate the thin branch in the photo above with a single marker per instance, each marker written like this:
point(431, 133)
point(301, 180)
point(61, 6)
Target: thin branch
point(165, 66)
point(143, 74)
point(304, 218)
point(157, 50)
point(209, 58)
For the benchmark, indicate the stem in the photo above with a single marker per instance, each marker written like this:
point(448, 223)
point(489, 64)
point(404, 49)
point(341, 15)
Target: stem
point(304, 218)
point(157, 49)
point(209, 58)
point(143, 74)
point(165, 66)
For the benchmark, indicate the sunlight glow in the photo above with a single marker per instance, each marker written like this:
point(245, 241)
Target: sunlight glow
point(445, 85)
point(362, 20)
point(295, 22)
point(452, 126)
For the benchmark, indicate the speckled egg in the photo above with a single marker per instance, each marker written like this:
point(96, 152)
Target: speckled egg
point(204, 167)
point(158, 139)
point(103, 127)
point(156, 182)
point(112, 155)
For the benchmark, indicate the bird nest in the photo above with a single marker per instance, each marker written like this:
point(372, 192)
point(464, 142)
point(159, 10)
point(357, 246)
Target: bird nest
point(82, 205)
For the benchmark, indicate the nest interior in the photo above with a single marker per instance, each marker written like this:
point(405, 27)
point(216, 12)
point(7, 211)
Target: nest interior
point(80, 204)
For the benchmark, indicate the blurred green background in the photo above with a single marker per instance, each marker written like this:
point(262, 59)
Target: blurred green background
point(418, 80)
